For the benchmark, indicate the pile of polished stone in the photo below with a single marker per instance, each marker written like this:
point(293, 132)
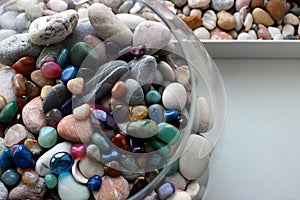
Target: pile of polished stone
point(240, 19)
point(93, 104)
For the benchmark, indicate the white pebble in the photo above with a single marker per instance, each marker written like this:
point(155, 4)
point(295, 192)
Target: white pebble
point(186, 10)
point(5, 33)
point(57, 5)
point(180, 195)
point(198, 3)
point(130, 20)
point(196, 12)
point(166, 70)
point(291, 19)
point(238, 20)
point(174, 97)
point(288, 29)
point(112, 3)
point(137, 7)
point(222, 4)
point(248, 22)
point(244, 36)
point(202, 33)
point(209, 19)
point(274, 31)
point(22, 22)
point(193, 188)
point(8, 20)
point(253, 35)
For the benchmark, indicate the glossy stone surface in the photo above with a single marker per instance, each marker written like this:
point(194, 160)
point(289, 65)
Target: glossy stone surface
point(83, 54)
point(94, 183)
point(18, 83)
point(105, 120)
point(66, 107)
point(6, 160)
point(160, 146)
point(153, 97)
point(138, 112)
point(53, 117)
point(23, 157)
point(10, 177)
point(165, 190)
point(33, 146)
point(62, 58)
point(138, 185)
point(61, 162)
point(38, 78)
point(120, 141)
point(156, 113)
point(142, 128)
point(82, 112)
point(51, 181)
point(168, 133)
point(78, 150)
point(75, 86)
point(68, 73)
point(171, 114)
point(9, 112)
point(136, 145)
point(15, 135)
point(47, 137)
point(51, 69)
point(3, 102)
point(32, 90)
point(29, 177)
point(24, 66)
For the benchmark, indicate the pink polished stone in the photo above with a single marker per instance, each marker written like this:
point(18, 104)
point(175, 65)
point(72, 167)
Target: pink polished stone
point(78, 151)
point(51, 69)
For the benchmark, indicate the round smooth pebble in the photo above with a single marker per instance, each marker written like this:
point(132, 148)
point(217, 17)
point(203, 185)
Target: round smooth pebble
point(165, 191)
point(142, 128)
point(53, 29)
point(5, 33)
point(82, 112)
point(51, 181)
point(119, 89)
point(94, 183)
point(260, 16)
point(10, 177)
point(168, 133)
point(75, 86)
point(288, 29)
point(222, 4)
point(244, 36)
point(23, 158)
point(226, 21)
point(90, 167)
point(61, 162)
point(174, 97)
point(180, 195)
point(78, 150)
point(113, 188)
point(209, 19)
point(6, 86)
point(193, 189)
point(166, 70)
point(131, 21)
point(22, 22)
point(202, 33)
point(198, 3)
point(291, 19)
point(153, 97)
point(57, 5)
point(38, 78)
point(15, 134)
point(8, 20)
point(197, 149)
point(69, 188)
point(47, 137)
point(29, 177)
point(276, 8)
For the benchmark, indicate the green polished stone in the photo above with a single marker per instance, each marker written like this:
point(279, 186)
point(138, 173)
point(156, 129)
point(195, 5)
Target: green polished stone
point(145, 128)
point(51, 181)
point(9, 112)
point(47, 137)
point(153, 97)
point(168, 133)
point(83, 55)
point(296, 11)
point(160, 146)
point(174, 168)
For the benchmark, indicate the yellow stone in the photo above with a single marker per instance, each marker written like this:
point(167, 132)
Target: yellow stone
point(138, 112)
point(75, 86)
point(45, 90)
point(29, 177)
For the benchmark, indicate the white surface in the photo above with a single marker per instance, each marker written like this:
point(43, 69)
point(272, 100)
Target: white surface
point(253, 48)
point(258, 155)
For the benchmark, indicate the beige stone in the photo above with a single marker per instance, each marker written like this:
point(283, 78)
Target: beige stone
point(262, 17)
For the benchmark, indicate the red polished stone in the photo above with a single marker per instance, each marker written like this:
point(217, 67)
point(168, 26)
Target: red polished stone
point(51, 69)
point(78, 151)
point(120, 141)
point(22, 101)
point(25, 66)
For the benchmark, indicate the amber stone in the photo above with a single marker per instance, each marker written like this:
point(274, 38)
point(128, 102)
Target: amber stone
point(25, 66)
point(29, 177)
point(138, 112)
point(18, 83)
point(119, 89)
point(32, 90)
point(192, 21)
point(112, 169)
point(3, 102)
point(33, 146)
point(138, 185)
point(120, 141)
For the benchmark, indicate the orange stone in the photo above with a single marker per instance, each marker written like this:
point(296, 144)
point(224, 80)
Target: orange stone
point(29, 177)
point(138, 112)
point(119, 89)
point(193, 21)
point(276, 8)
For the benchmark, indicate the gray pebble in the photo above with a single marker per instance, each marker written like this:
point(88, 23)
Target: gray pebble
point(3, 191)
point(53, 29)
point(34, 11)
point(112, 3)
point(56, 96)
point(134, 94)
point(5, 33)
point(104, 80)
point(17, 46)
point(177, 180)
point(22, 22)
point(143, 70)
point(8, 20)
point(179, 3)
point(49, 53)
point(222, 4)
point(126, 6)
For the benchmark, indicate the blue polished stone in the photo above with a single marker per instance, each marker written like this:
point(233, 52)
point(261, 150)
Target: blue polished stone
point(156, 113)
point(63, 57)
point(112, 155)
point(66, 107)
point(23, 157)
point(94, 183)
point(10, 177)
point(136, 145)
point(171, 115)
point(61, 162)
point(106, 119)
point(165, 191)
point(68, 73)
point(6, 160)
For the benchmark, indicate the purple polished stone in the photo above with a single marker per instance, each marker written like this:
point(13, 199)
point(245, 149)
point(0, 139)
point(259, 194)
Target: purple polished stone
point(165, 191)
point(106, 119)
point(53, 117)
point(136, 145)
point(66, 107)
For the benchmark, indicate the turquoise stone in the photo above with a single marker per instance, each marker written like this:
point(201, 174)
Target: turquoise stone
point(51, 181)
point(168, 133)
point(61, 162)
point(83, 53)
point(47, 137)
point(23, 158)
point(171, 115)
point(63, 57)
point(174, 168)
point(145, 128)
point(296, 11)
point(6, 160)
point(153, 97)
point(68, 73)
point(10, 177)
point(101, 142)
point(160, 146)
point(94, 183)
point(156, 113)
point(9, 112)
